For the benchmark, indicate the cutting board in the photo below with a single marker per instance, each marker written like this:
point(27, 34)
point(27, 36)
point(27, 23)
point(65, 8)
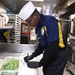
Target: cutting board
point(24, 70)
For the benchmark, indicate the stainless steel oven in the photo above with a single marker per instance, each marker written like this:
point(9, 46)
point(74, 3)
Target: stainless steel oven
point(71, 54)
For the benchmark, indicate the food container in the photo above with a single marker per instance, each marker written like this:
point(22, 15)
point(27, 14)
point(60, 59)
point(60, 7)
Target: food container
point(1, 60)
point(10, 66)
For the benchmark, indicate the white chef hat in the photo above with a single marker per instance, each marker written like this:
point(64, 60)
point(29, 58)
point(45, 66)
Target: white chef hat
point(26, 11)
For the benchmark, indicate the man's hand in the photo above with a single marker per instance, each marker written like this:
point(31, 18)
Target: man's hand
point(33, 64)
point(28, 58)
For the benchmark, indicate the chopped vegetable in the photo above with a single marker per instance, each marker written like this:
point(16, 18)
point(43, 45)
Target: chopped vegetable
point(11, 64)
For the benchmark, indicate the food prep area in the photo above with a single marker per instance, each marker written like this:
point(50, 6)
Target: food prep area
point(14, 64)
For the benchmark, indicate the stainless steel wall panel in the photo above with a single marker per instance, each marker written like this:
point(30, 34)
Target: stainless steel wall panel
point(17, 48)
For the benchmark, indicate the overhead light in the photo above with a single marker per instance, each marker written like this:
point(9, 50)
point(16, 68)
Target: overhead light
point(34, 0)
point(38, 8)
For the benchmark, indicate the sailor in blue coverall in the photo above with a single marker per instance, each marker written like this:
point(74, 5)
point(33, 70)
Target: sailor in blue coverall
point(51, 44)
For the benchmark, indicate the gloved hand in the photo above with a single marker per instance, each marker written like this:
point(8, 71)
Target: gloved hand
point(33, 64)
point(28, 58)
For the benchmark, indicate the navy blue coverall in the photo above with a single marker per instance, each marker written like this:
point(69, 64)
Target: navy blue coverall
point(54, 57)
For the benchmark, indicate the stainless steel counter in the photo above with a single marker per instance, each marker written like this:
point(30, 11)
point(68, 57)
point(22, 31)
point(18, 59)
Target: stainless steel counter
point(3, 55)
point(19, 50)
point(16, 48)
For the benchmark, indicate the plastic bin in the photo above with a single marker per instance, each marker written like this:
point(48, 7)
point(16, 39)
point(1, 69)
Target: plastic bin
point(1, 61)
point(9, 72)
point(7, 64)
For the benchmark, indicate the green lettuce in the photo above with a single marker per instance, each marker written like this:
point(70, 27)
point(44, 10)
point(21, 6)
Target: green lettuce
point(11, 64)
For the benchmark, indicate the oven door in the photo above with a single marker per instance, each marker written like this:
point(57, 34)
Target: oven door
point(71, 55)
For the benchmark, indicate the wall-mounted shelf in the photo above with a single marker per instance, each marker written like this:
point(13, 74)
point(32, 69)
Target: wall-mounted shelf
point(6, 27)
point(67, 13)
point(11, 21)
point(69, 10)
point(72, 6)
